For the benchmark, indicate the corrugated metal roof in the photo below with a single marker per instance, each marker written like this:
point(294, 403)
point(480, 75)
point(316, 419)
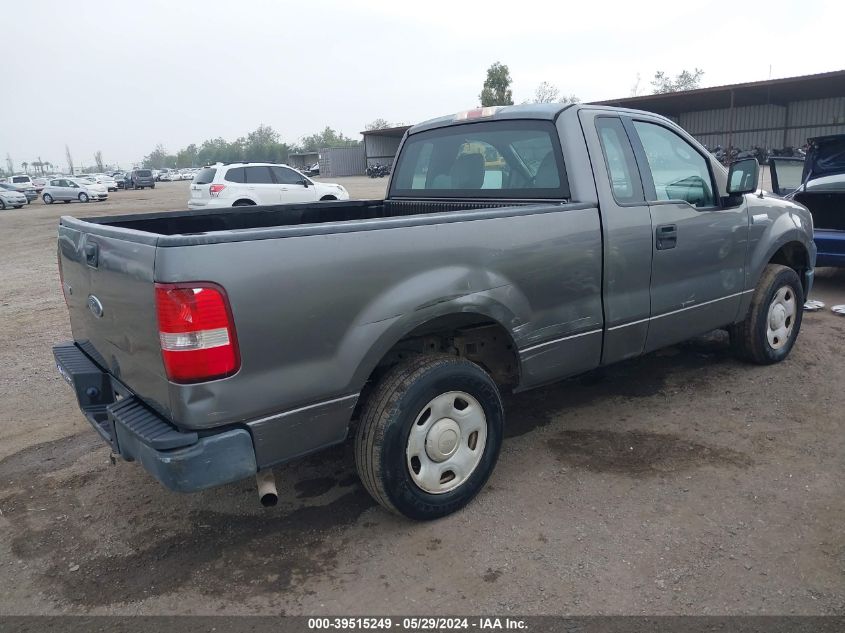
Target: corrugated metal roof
point(774, 91)
point(397, 131)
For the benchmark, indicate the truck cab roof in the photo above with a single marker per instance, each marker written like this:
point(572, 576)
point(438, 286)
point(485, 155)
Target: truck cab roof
point(541, 111)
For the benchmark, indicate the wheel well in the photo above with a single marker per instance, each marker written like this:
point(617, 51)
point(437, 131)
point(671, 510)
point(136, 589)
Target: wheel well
point(793, 255)
point(467, 335)
point(243, 202)
point(328, 198)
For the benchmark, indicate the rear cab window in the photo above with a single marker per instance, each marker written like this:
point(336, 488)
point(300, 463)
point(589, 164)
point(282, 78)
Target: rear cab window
point(503, 159)
point(143, 173)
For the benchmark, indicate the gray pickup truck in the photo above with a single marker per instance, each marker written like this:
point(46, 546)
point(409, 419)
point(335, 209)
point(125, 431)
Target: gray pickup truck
point(516, 246)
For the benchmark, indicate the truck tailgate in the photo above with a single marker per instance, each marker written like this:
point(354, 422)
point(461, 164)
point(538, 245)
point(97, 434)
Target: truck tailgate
point(108, 286)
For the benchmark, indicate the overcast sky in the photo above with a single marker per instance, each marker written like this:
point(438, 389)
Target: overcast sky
point(123, 76)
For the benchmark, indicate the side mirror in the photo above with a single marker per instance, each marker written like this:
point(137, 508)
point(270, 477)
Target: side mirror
point(742, 176)
point(304, 183)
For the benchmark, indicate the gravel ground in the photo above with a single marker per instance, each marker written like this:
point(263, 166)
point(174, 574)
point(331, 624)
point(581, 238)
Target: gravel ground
point(683, 482)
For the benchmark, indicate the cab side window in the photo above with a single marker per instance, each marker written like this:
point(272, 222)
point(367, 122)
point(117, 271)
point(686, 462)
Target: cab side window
point(678, 170)
point(619, 158)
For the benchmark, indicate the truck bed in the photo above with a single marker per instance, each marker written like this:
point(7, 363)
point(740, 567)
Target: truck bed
point(284, 215)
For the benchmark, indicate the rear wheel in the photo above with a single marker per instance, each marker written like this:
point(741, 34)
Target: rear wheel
point(770, 328)
point(83, 197)
point(429, 436)
point(18, 206)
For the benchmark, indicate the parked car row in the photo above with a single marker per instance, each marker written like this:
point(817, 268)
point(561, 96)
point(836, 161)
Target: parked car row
point(173, 175)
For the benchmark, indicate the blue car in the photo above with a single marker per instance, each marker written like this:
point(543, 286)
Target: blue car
point(818, 182)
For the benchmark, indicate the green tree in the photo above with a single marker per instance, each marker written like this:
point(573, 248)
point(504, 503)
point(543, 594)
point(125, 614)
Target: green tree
point(187, 157)
point(377, 124)
point(327, 138)
point(159, 158)
point(549, 93)
point(685, 80)
point(496, 90)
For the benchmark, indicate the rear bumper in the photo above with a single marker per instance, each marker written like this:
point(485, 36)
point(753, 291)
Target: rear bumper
point(830, 247)
point(182, 461)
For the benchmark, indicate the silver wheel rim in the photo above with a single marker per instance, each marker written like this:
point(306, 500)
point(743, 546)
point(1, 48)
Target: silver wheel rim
point(781, 318)
point(446, 442)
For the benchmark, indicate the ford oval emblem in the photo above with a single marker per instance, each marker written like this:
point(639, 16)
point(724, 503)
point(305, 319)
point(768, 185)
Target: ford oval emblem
point(95, 306)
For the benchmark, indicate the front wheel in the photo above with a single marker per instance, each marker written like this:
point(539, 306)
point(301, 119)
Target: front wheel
point(2, 205)
point(770, 328)
point(83, 197)
point(429, 436)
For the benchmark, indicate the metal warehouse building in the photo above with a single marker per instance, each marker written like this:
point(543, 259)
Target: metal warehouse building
point(380, 146)
point(771, 114)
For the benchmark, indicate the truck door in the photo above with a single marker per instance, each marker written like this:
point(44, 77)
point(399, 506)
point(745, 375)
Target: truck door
point(699, 245)
point(626, 231)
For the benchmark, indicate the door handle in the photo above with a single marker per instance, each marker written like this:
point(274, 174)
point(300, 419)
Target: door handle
point(667, 236)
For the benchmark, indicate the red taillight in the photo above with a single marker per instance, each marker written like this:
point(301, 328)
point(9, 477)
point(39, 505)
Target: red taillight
point(215, 190)
point(197, 332)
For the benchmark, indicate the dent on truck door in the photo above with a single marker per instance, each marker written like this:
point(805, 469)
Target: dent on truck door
point(699, 247)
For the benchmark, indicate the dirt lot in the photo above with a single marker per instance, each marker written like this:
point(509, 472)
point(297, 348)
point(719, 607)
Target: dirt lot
point(683, 482)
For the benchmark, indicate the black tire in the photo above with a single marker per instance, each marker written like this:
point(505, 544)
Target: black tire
point(750, 338)
point(388, 415)
point(326, 198)
point(18, 206)
point(66, 201)
point(152, 186)
point(83, 197)
point(243, 203)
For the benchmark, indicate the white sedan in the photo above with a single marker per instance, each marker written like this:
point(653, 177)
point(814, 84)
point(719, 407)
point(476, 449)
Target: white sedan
point(11, 198)
point(69, 189)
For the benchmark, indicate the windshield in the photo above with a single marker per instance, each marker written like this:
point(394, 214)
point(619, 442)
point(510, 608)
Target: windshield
point(491, 159)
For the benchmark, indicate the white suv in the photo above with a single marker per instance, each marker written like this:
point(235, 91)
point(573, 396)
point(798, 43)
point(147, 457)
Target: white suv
point(245, 184)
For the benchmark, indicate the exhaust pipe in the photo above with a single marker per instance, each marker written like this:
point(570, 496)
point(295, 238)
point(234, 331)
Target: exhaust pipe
point(267, 488)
